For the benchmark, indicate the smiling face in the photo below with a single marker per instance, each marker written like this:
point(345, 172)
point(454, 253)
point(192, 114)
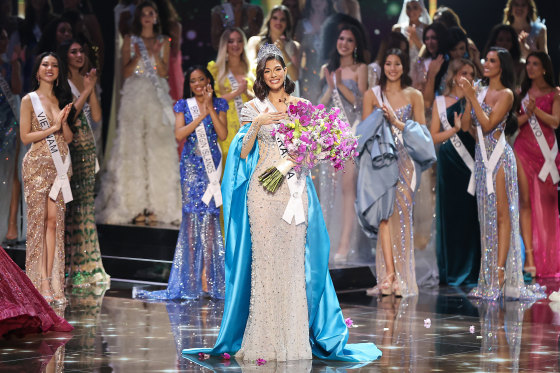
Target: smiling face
point(520, 9)
point(149, 17)
point(413, 10)
point(458, 51)
point(492, 65)
point(235, 44)
point(465, 72)
point(48, 69)
point(393, 68)
point(76, 56)
point(63, 32)
point(278, 22)
point(534, 67)
point(198, 81)
point(431, 42)
point(346, 43)
point(274, 74)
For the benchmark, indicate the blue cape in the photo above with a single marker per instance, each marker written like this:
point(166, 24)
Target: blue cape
point(328, 332)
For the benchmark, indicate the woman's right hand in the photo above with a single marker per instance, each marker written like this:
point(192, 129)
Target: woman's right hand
point(242, 88)
point(266, 118)
point(435, 65)
point(90, 79)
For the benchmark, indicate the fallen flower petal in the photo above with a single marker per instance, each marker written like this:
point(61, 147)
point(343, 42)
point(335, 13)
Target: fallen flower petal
point(349, 323)
point(471, 329)
point(226, 356)
point(261, 361)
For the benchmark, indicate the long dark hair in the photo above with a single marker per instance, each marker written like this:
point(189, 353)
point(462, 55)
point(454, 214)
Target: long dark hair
point(61, 88)
point(260, 88)
point(393, 40)
point(548, 72)
point(515, 50)
point(405, 79)
point(507, 78)
point(48, 38)
point(187, 86)
point(288, 32)
point(334, 60)
point(455, 36)
point(137, 23)
point(441, 34)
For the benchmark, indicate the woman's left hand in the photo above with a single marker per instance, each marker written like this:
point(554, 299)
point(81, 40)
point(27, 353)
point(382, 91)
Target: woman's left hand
point(467, 88)
point(208, 97)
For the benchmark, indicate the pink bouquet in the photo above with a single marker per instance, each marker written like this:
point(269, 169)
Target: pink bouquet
point(312, 135)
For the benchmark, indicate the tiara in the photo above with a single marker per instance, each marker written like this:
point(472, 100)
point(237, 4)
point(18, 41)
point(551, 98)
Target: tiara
point(267, 50)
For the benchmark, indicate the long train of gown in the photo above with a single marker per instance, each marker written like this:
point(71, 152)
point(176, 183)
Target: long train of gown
point(22, 309)
point(198, 263)
point(400, 223)
point(142, 171)
point(488, 285)
point(39, 173)
point(543, 195)
point(83, 256)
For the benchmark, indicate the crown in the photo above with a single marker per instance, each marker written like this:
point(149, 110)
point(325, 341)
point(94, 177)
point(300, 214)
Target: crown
point(268, 49)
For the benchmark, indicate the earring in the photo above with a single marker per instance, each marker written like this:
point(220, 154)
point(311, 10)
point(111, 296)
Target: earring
point(38, 78)
point(285, 84)
point(453, 83)
point(57, 82)
point(355, 54)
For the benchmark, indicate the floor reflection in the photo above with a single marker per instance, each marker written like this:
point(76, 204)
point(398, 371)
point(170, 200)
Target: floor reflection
point(439, 330)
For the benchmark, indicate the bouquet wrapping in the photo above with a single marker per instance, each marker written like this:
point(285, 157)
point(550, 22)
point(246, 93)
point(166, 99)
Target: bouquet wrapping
point(311, 135)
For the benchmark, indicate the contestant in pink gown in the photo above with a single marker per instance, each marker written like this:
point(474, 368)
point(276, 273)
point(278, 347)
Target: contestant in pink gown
point(23, 309)
point(543, 195)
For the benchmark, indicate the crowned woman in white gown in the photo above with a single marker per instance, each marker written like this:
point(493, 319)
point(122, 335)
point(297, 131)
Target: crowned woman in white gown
point(141, 179)
point(280, 301)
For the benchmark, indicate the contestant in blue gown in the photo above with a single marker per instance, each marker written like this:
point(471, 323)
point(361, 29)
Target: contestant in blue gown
point(248, 330)
point(198, 265)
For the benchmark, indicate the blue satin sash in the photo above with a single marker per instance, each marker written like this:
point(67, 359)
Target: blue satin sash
point(328, 331)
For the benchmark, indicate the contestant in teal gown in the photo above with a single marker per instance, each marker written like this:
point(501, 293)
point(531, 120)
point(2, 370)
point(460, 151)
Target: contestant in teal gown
point(457, 229)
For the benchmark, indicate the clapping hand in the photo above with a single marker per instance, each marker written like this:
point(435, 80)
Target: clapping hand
point(329, 78)
point(90, 79)
point(62, 117)
point(530, 106)
point(467, 88)
point(457, 122)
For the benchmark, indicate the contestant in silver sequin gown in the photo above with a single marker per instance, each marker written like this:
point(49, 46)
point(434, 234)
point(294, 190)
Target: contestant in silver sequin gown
point(400, 222)
point(488, 286)
point(277, 327)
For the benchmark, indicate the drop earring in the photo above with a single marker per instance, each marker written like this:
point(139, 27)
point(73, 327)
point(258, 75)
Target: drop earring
point(355, 54)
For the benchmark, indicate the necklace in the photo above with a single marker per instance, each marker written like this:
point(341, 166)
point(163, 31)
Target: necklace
point(455, 97)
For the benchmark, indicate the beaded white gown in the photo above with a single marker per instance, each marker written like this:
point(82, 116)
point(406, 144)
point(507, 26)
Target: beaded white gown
point(142, 171)
point(277, 327)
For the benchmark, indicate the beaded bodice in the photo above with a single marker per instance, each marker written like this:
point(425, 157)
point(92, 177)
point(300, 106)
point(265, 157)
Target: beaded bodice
point(489, 140)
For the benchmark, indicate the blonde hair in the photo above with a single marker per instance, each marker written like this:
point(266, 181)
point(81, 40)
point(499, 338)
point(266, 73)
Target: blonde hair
point(221, 59)
point(531, 14)
point(454, 67)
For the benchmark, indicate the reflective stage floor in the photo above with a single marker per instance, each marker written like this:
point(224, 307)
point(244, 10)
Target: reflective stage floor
point(438, 331)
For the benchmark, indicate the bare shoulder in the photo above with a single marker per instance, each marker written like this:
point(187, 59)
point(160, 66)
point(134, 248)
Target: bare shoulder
point(412, 93)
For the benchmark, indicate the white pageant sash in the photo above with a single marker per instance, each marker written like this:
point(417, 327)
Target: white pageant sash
point(87, 113)
point(489, 163)
point(7, 91)
point(549, 166)
point(61, 182)
point(294, 209)
point(213, 189)
point(164, 98)
point(457, 143)
point(338, 101)
point(382, 99)
point(238, 100)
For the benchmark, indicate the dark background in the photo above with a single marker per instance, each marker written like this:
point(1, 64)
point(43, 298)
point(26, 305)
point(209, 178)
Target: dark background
point(378, 16)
